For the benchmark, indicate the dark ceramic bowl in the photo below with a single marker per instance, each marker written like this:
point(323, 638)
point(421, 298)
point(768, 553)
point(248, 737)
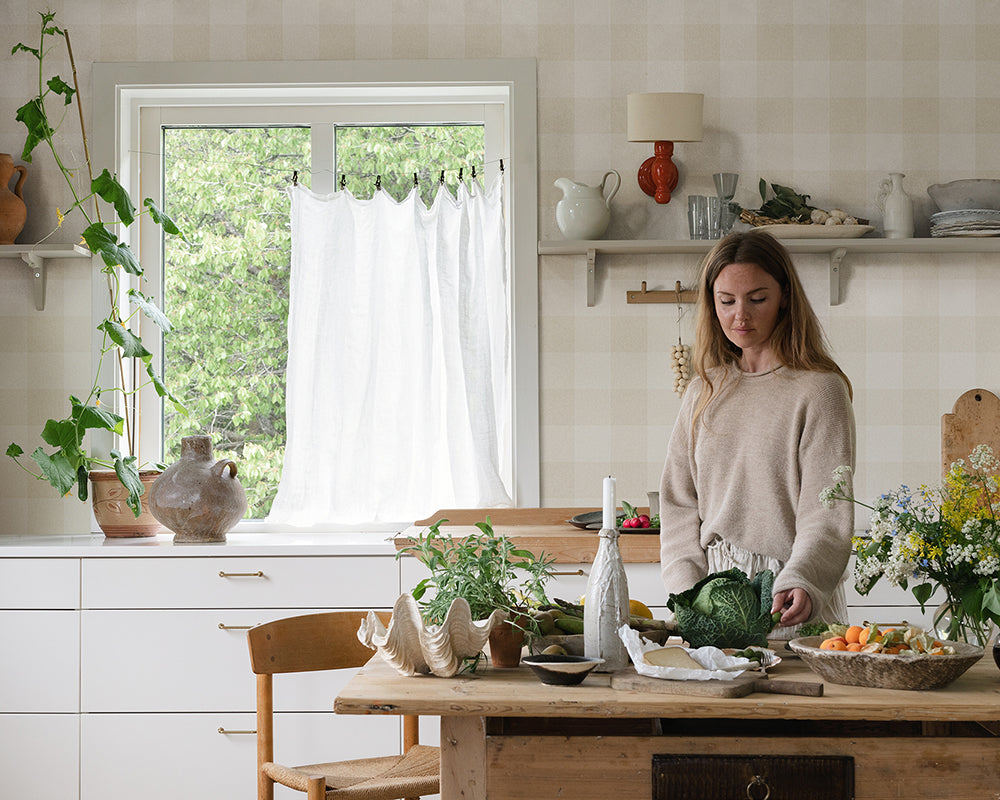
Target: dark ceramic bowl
point(561, 670)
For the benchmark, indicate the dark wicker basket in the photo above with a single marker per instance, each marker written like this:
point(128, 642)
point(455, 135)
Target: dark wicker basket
point(711, 777)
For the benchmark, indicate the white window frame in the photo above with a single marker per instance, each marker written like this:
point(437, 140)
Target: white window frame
point(507, 86)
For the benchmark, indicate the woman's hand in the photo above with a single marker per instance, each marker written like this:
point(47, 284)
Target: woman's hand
point(795, 606)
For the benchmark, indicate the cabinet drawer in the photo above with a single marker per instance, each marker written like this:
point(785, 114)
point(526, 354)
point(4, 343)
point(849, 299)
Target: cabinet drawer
point(214, 765)
point(40, 662)
point(40, 583)
point(243, 582)
point(183, 660)
point(40, 757)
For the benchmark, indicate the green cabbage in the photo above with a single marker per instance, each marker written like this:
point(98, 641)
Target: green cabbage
point(726, 609)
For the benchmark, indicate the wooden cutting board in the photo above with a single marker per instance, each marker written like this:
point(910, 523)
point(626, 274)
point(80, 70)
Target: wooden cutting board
point(630, 681)
point(974, 420)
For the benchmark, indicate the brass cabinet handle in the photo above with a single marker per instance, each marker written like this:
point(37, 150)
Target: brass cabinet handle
point(224, 627)
point(224, 731)
point(257, 574)
point(570, 572)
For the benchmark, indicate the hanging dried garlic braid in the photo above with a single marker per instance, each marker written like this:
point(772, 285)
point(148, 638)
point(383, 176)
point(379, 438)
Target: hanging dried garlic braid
point(681, 363)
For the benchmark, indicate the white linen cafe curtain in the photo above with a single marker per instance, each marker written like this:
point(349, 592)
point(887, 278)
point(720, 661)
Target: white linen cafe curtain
point(398, 371)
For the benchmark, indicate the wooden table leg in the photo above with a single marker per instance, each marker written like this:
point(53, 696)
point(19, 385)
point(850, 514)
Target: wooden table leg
point(463, 758)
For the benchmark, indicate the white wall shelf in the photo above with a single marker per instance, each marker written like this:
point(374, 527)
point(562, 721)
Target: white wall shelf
point(35, 256)
point(836, 248)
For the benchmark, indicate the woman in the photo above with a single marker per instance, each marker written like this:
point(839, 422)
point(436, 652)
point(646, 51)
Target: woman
point(761, 428)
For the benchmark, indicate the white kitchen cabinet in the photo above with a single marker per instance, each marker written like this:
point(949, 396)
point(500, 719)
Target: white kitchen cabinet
point(40, 662)
point(130, 656)
point(170, 756)
point(39, 676)
point(39, 755)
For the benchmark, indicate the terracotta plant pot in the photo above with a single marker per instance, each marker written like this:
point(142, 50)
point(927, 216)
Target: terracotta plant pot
point(506, 642)
point(113, 515)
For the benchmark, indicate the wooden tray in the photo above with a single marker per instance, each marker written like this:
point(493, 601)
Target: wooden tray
point(630, 681)
point(974, 420)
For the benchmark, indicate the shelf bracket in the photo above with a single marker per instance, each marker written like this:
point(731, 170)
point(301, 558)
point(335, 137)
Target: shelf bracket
point(836, 257)
point(591, 276)
point(37, 265)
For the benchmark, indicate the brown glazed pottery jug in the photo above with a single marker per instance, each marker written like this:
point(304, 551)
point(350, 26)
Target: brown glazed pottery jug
point(197, 498)
point(13, 213)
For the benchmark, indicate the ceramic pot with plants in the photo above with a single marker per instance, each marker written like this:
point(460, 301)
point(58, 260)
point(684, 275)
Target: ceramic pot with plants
point(197, 497)
point(507, 640)
point(110, 501)
point(64, 458)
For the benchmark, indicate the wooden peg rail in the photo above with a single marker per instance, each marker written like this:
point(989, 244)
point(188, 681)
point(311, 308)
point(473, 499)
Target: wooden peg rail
point(677, 295)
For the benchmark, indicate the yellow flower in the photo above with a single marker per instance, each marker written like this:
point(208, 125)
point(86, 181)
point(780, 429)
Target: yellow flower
point(60, 216)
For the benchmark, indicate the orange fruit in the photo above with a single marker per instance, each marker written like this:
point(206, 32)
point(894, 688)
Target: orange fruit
point(833, 643)
point(853, 634)
point(869, 634)
point(854, 647)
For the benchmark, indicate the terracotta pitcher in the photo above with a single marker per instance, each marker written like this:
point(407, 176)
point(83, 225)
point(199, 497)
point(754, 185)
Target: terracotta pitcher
point(197, 498)
point(13, 212)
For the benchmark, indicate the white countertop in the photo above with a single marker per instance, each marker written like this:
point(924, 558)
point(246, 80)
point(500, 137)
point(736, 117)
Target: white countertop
point(346, 543)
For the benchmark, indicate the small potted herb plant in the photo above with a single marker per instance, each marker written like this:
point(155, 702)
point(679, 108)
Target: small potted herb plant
point(490, 573)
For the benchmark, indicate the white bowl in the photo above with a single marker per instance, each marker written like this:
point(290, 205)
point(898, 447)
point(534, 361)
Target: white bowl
point(966, 194)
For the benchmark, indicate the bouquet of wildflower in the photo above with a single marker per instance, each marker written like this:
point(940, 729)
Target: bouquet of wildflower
point(949, 538)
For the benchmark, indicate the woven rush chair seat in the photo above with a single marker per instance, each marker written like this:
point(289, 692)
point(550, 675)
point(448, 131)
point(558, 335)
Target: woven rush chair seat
point(326, 641)
point(414, 773)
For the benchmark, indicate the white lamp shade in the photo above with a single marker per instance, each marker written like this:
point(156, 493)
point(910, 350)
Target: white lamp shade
point(665, 117)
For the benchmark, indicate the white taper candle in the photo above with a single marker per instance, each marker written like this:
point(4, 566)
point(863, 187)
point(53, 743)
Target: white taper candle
point(609, 503)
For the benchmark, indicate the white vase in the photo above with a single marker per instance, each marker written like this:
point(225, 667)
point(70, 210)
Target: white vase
point(896, 207)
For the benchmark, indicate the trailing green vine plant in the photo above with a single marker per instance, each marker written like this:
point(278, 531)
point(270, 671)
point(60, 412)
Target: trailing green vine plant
point(69, 463)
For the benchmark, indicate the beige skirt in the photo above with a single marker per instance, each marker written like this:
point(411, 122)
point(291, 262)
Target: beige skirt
point(722, 556)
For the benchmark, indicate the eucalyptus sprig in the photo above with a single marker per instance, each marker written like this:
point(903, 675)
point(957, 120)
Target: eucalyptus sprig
point(69, 463)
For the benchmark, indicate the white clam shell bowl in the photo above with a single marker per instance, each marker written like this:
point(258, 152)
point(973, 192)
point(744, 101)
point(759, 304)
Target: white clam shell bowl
point(412, 647)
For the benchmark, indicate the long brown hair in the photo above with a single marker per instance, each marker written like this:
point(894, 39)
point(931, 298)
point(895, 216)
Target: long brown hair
point(797, 339)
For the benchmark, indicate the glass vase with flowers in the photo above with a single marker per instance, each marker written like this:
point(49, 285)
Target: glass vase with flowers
point(947, 538)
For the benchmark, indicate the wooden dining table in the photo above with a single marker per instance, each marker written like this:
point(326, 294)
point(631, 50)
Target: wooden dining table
point(507, 736)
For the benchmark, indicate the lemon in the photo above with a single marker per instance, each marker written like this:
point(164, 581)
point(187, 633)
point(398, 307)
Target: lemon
point(637, 608)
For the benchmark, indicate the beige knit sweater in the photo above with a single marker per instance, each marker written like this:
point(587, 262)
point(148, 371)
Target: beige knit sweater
point(751, 475)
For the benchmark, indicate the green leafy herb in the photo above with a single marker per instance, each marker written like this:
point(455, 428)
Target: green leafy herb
point(785, 203)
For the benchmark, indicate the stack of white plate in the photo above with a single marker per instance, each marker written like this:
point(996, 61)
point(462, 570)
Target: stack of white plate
point(967, 222)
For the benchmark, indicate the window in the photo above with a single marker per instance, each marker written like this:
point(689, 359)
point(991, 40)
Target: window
point(311, 123)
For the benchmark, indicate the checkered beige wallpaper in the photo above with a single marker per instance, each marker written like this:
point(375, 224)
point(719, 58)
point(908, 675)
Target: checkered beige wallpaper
point(825, 97)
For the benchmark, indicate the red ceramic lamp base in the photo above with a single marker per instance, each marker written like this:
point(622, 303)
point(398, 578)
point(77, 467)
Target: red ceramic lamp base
point(658, 173)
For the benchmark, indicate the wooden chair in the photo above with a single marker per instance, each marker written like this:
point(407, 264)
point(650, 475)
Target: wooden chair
point(325, 641)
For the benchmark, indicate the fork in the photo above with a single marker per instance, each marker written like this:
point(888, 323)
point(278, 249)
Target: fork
point(766, 659)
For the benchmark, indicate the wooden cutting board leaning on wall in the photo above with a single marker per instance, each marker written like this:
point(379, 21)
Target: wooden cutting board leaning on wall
point(974, 420)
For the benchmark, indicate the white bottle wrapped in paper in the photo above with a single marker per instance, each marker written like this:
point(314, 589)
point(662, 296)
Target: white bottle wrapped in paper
point(606, 607)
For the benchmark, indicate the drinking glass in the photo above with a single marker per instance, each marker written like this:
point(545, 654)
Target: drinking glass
point(698, 216)
point(714, 217)
point(725, 187)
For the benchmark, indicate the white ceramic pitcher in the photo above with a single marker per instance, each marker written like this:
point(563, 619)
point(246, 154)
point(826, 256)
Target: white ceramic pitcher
point(896, 207)
point(584, 212)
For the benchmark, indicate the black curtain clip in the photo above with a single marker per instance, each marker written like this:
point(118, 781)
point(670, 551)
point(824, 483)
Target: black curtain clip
point(343, 181)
